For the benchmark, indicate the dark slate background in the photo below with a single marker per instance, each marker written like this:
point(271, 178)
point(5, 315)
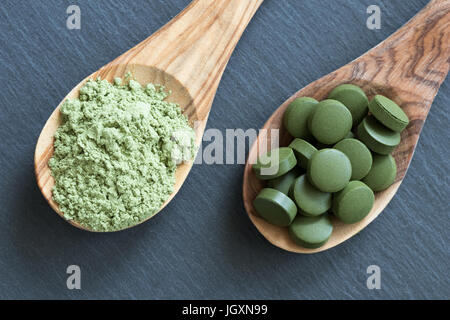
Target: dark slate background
point(208, 248)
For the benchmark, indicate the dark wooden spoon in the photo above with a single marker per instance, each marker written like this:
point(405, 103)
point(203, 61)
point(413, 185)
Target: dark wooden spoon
point(409, 68)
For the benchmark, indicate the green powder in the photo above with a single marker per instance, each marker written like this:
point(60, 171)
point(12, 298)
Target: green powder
point(116, 152)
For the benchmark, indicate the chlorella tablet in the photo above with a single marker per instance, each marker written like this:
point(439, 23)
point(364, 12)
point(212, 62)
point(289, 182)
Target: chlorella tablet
point(309, 199)
point(296, 117)
point(388, 113)
point(274, 163)
point(320, 145)
point(275, 207)
point(359, 156)
point(354, 202)
point(330, 121)
point(382, 174)
point(354, 98)
point(285, 182)
point(377, 137)
point(303, 151)
point(329, 170)
point(311, 232)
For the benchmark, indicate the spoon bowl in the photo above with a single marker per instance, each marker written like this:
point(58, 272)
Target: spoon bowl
point(188, 56)
point(409, 68)
point(141, 73)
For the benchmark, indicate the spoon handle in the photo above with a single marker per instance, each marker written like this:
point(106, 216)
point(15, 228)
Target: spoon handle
point(196, 45)
point(414, 59)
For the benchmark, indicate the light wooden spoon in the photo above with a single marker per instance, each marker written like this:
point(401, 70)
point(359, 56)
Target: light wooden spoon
point(408, 67)
point(188, 56)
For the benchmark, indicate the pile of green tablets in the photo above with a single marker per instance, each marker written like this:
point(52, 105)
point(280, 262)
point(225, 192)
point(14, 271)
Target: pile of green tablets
point(339, 156)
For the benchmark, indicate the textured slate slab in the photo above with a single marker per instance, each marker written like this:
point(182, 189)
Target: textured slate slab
point(208, 248)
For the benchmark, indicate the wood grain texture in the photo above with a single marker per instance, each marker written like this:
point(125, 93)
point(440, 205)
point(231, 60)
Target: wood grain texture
point(188, 56)
point(409, 68)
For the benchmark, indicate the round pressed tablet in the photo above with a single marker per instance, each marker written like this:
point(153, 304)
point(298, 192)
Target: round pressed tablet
point(354, 202)
point(311, 232)
point(382, 174)
point(377, 137)
point(359, 156)
point(329, 170)
point(284, 182)
point(330, 121)
point(296, 117)
point(388, 113)
point(274, 163)
point(275, 207)
point(354, 98)
point(310, 200)
point(303, 151)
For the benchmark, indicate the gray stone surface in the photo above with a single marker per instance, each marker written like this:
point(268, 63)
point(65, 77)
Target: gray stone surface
point(203, 245)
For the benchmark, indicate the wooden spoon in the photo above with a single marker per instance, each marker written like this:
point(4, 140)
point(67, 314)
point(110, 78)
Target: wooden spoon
point(188, 56)
point(409, 68)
